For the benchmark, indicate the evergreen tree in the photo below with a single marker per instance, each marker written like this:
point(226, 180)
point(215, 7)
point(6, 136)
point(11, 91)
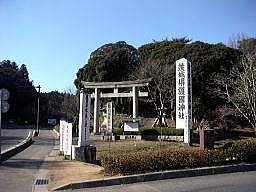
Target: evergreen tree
point(110, 62)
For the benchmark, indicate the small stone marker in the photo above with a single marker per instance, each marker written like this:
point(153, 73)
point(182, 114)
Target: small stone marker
point(109, 117)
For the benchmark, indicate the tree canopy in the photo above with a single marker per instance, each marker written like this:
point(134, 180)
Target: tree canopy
point(248, 46)
point(22, 91)
point(210, 64)
point(110, 62)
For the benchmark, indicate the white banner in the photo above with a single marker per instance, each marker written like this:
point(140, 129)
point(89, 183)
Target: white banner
point(68, 139)
point(65, 137)
point(62, 129)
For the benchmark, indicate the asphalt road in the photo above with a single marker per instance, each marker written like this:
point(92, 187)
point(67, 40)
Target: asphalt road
point(18, 173)
point(12, 136)
point(233, 182)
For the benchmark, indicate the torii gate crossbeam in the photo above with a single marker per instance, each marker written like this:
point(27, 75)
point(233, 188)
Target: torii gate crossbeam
point(134, 93)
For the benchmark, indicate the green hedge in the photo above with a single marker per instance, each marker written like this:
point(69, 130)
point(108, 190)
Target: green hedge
point(152, 131)
point(57, 128)
point(117, 131)
point(141, 162)
point(161, 131)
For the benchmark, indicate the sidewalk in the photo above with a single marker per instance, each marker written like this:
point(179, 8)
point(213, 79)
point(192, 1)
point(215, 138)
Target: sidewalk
point(18, 173)
point(63, 172)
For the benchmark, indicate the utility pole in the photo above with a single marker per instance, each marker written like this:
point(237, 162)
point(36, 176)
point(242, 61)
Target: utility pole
point(38, 102)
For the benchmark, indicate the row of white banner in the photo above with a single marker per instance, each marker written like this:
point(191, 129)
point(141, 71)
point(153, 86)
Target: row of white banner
point(65, 137)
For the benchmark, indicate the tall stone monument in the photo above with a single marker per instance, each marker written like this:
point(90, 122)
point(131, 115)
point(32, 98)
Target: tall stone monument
point(184, 97)
point(84, 151)
point(84, 119)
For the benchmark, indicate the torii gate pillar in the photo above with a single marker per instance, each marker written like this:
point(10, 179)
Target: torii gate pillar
point(134, 102)
point(96, 111)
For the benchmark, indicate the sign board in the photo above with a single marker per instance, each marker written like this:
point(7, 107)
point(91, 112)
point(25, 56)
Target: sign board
point(5, 94)
point(131, 126)
point(52, 121)
point(109, 117)
point(184, 97)
point(5, 106)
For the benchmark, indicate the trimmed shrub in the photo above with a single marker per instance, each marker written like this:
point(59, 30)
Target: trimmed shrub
point(117, 123)
point(243, 150)
point(141, 162)
point(117, 131)
point(57, 128)
point(161, 131)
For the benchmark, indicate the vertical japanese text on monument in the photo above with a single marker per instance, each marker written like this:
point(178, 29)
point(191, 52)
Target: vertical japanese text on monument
point(183, 94)
point(87, 112)
point(181, 90)
point(109, 117)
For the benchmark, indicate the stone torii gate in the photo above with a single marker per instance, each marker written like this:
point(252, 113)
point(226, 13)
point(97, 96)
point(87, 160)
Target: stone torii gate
point(134, 93)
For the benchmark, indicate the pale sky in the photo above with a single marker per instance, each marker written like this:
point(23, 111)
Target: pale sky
point(55, 38)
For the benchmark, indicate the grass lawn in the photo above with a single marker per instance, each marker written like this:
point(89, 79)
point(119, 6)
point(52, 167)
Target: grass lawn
point(130, 146)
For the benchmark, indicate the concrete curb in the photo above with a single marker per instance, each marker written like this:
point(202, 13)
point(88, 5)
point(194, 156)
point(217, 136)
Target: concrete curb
point(17, 148)
point(160, 176)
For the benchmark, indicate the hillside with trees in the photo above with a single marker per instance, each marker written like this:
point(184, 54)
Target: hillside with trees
point(221, 76)
point(22, 92)
point(23, 98)
point(212, 66)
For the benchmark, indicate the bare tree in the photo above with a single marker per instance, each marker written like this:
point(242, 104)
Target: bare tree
point(235, 39)
point(244, 90)
point(161, 88)
point(70, 103)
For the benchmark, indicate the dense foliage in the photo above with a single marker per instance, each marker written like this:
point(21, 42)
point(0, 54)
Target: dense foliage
point(160, 131)
point(177, 158)
point(152, 131)
point(56, 105)
point(22, 92)
point(110, 62)
point(211, 63)
point(24, 97)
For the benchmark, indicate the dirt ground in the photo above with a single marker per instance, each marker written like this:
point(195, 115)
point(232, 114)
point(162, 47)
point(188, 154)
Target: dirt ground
point(67, 171)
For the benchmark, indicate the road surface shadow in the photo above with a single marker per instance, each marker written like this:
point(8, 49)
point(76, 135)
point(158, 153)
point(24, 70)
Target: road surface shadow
point(26, 164)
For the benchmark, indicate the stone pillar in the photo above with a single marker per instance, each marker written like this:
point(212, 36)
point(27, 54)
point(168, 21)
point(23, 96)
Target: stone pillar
point(184, 97)
point(84, 119)
point(134, 102)
point(109, 117)
point(96, 111)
